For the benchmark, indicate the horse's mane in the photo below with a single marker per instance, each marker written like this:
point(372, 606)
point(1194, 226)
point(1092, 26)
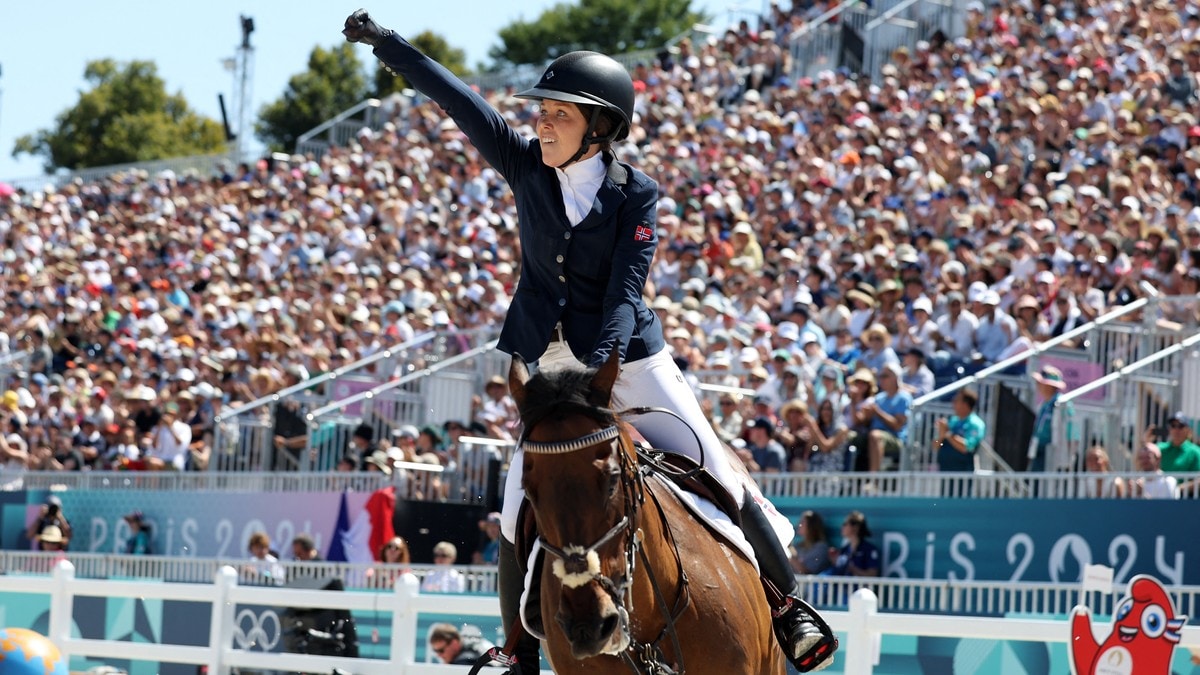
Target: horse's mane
point(557, 394)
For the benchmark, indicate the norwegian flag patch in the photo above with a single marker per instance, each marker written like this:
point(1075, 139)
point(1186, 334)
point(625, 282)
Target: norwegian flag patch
point(643, 233)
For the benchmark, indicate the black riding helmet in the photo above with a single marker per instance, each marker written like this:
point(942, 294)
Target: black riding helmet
point(590, 79)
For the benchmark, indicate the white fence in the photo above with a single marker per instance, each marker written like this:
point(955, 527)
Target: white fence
point(863, 624)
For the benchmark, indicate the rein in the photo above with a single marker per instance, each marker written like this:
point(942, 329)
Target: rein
point(577, 565)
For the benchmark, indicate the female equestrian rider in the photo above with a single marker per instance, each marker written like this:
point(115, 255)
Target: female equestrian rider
point(588, 236)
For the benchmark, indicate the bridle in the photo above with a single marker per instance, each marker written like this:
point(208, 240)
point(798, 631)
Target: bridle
point(577, 565)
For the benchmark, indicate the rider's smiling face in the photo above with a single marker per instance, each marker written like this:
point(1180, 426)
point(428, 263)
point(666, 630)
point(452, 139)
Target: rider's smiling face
point(560, 129)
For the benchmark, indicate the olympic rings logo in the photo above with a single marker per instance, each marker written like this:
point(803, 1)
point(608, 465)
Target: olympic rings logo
point(259, 631)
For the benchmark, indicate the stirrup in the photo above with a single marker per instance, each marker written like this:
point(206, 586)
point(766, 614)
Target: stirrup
point(820, 654)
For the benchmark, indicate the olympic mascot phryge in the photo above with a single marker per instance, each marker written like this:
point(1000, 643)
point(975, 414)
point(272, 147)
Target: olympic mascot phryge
point(1145, 630)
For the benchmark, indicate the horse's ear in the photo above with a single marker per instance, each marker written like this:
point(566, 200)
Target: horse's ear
point(518, 375)
point(602, 381)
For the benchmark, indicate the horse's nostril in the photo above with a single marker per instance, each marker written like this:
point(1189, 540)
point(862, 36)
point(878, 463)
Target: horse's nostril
point(608, 625)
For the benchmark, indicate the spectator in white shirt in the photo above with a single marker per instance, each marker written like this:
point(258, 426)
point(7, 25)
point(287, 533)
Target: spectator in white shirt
point(956, 328)
point(169, 440)
point(444, 578)
point(1158, 486)
point(264, 567)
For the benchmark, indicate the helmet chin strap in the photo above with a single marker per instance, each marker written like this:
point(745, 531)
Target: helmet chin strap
point(588, 138)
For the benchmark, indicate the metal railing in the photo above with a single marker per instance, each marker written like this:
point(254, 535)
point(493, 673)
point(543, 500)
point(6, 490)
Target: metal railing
point(244, 437)
point(468, 471)
point(14, 365)
point(341, 128)
point(204, 165)
point(862, 37)
point(817, 45)
point(435, 394)
point(1111, 341)
point(1114, 411)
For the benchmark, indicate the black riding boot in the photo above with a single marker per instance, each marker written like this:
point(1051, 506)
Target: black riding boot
point(512, 583)
point(805, 637)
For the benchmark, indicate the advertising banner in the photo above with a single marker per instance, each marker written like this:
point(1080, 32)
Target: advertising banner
point(1019, 539)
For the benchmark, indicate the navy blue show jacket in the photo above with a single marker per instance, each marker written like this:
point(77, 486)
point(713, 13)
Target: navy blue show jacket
point(590, 277)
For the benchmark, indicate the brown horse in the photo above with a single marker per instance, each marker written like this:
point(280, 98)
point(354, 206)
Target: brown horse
point(632, 582)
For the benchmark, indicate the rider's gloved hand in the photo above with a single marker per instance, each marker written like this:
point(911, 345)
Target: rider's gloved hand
point(360, 27)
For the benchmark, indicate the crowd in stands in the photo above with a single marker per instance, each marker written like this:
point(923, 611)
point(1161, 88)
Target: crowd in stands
point(820, 239)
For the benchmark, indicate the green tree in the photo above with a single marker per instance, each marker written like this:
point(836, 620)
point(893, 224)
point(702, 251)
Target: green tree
point(606, 26)
point(126, 116)
point(434, 46)
point(333, 82)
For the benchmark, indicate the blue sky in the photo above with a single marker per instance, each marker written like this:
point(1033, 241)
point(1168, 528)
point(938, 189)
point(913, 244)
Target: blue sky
point(44, 46)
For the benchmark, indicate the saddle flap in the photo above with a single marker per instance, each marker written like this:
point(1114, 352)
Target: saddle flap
point(691, 477)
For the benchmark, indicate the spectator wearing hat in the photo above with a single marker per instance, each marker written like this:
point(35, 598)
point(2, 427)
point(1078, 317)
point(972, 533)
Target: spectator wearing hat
point(888, 412)
point(794, 434)
point(496, 410)
point(877, 352)
point(376, 461)
point(863, 307)
point(1179, 453)
point(138, 542)
point(1050, 385)
point(996, 330)
point(50, 515)
point(920, 333)
point(917, 379)
point(488, 552)
point(767, 455)
point(52, 539)
point(362, 442)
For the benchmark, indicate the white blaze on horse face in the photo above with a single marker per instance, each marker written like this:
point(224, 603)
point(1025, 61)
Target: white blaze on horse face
point(576, 579)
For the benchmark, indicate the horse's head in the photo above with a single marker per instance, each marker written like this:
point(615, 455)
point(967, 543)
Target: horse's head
point(579, 476)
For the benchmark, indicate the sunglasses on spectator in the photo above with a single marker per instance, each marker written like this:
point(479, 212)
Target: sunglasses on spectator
point(1176, 425)
point(726, 402)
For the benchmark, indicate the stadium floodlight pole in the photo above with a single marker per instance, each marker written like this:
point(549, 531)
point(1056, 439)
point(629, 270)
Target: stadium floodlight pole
point(244, 76)
point(1, 95)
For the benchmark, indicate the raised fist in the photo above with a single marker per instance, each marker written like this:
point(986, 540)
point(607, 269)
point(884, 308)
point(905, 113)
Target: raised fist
point(360, 27)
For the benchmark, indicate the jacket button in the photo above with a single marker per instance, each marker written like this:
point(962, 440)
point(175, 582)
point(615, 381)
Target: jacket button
point(559, 259)
point(562, 302)
point(566, 235)
point(562, 278)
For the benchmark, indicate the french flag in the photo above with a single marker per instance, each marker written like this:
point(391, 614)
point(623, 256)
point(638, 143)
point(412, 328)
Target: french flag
point(351, 541)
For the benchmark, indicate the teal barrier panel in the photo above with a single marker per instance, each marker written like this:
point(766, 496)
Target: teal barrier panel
point(1020, 539)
